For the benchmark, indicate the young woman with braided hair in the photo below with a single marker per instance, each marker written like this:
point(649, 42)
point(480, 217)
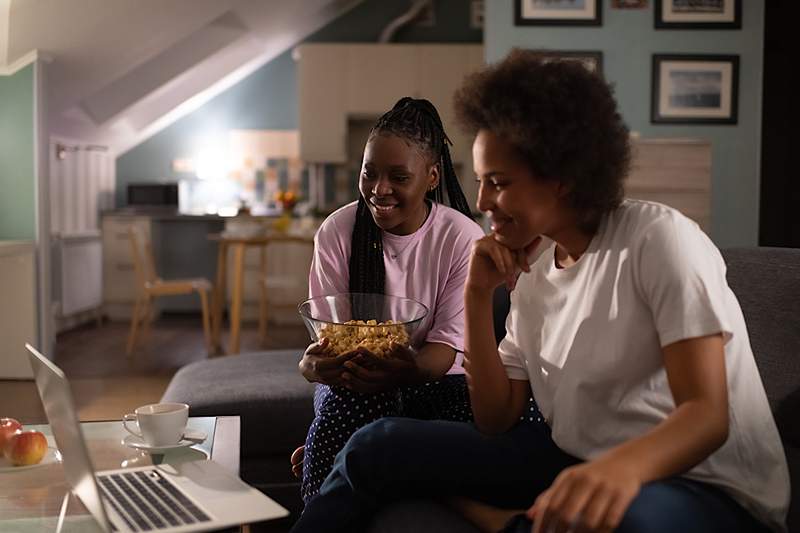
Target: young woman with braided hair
point(398, 239)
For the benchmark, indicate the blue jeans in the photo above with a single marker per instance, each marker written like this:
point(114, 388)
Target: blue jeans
point(396, 458)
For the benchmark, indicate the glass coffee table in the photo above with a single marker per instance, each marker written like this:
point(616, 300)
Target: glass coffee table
point(31, 499)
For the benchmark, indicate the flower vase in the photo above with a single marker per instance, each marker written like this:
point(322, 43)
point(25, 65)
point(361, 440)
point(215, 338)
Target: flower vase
point(283, 222)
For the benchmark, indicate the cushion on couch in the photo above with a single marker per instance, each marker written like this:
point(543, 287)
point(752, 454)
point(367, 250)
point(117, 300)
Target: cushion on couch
point(766, 282)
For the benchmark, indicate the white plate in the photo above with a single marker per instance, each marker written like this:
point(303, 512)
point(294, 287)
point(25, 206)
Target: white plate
point(132, 441)
point(52, 455)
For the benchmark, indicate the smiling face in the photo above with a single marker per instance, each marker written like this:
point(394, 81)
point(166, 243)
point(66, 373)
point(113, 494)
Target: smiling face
point(395, 175)
point(519, 205)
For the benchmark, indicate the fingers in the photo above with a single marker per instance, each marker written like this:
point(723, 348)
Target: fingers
point(596, 511)
point(573, 505)
point(402, 352)
point(502, 259)
point(616, 511)
point(297, 455)
point(363, 373)
point(537, 512)
point(357, 384)
point(297, 462)
point(319, 348)
point(335, 362)
point(568, 503)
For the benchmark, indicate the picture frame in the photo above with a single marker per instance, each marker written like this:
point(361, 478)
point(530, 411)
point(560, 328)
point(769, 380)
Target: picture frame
point(695, 89)
point(698, 14)
point(629, 4)
point(591, 59)
point(558, 13)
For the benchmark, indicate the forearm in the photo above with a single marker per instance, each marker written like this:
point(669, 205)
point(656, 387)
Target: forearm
point(677, 444)
point(433, 361)
point(489, 386)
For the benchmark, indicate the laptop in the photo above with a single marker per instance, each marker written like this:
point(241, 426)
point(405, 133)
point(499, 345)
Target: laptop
point(188, 496)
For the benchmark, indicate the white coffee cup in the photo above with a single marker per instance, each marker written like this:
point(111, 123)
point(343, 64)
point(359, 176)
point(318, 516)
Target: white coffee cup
point(159, 424)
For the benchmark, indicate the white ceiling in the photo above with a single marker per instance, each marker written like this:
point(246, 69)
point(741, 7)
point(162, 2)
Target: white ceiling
point(121, 70)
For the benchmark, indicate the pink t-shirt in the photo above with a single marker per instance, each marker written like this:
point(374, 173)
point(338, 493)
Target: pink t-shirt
point(430, 266)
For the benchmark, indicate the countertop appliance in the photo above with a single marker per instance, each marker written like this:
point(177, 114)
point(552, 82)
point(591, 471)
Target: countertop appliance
point(153, 195)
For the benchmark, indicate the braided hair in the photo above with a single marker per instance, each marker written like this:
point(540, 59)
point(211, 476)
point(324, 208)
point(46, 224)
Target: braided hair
point(417, 121)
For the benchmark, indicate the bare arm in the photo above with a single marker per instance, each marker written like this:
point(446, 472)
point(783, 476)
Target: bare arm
point(433, 360)
point(497, 401)
point(699, 423)
point(598, 493)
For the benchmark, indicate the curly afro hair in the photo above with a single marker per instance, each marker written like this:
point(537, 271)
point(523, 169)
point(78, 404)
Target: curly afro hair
point(561, 119)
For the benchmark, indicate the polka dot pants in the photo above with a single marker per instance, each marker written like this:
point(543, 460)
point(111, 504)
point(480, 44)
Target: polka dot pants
point(340, 412)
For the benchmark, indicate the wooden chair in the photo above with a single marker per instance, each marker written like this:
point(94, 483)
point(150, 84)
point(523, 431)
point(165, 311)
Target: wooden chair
point(269, 282)
point(149, 287)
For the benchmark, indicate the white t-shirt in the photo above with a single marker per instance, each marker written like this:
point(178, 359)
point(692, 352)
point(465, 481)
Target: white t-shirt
point(589, 337)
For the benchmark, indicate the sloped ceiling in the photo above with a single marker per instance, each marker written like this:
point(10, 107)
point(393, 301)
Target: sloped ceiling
point(118, 71)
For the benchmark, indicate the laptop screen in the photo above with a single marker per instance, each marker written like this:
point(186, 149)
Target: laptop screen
point(56, 398)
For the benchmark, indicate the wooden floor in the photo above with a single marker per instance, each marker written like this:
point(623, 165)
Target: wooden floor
point(106, 384)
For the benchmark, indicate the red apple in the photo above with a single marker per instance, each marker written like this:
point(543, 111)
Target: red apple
point(8, 426)
point(26, 447)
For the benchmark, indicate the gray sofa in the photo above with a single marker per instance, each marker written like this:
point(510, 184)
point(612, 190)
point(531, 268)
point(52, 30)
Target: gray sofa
point(275, 402)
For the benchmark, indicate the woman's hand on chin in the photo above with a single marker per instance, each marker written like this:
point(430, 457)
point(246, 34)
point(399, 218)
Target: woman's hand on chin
point(493, 263)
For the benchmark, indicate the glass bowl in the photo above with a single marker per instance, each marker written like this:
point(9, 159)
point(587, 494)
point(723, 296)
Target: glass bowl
point(372, 321)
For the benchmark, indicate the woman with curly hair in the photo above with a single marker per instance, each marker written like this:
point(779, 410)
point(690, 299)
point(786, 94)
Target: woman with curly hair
point(621, 324)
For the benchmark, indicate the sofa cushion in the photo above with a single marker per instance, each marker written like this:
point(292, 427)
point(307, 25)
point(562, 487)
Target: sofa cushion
point(265, 389)
point(766, 282)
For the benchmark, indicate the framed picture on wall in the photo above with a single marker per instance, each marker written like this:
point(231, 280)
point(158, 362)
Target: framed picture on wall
point(695, 89)
point(558, 12)
point(698, 14)
point(591, 59)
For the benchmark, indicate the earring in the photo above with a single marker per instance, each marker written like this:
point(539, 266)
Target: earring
point(432, 187)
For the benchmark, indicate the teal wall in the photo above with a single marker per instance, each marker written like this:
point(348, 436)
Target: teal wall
point(267, 99)
point(627, 39)
point(17, 183)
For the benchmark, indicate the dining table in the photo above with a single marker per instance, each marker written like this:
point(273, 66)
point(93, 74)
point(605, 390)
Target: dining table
point(237, 244)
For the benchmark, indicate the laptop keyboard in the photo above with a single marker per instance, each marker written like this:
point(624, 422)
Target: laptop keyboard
point(147, 501)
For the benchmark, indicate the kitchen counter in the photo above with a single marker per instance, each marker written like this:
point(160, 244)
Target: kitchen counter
point(161, 214)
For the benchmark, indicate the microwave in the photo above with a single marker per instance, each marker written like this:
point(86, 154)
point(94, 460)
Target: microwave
point(153, 195)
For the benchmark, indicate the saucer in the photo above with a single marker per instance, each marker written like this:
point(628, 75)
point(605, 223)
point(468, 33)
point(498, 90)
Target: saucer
point(52, 455)
point(195, 437)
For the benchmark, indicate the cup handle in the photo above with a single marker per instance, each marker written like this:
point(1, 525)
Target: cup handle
point(130, 417)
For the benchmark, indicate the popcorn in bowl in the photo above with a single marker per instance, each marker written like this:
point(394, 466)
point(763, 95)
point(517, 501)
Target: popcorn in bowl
point(377, 337)
point(357, 320)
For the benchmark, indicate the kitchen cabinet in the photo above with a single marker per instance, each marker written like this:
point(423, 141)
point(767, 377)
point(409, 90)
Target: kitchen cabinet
point(338, 82)
point(119, 277)
point(322, 97)
point(377, 76)
point(18, 323)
